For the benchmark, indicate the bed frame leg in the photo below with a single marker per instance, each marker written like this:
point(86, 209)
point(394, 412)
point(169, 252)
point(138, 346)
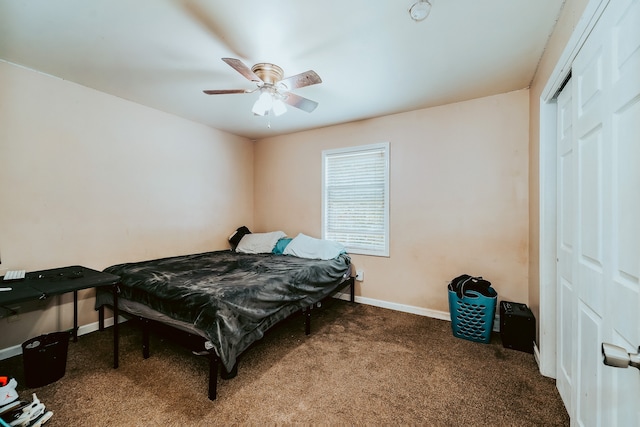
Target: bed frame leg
point(116, 327)
point(101, 318)
point(145, 338)
point(306, 312)
point(353, 289)
point(213, 375)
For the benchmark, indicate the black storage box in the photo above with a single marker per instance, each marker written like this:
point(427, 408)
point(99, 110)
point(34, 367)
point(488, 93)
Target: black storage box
point(45, 358)
point(517, 326)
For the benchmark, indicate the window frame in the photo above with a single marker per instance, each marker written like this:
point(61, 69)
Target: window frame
point(384, 148)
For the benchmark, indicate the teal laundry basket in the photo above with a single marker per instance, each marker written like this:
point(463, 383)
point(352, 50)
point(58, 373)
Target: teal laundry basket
point(472, 315)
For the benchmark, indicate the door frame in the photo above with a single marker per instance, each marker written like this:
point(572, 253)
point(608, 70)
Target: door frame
point(545, 350)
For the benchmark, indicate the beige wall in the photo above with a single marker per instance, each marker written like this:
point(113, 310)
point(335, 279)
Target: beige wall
point(458, 196)
point(96, 180)
point(569, 17)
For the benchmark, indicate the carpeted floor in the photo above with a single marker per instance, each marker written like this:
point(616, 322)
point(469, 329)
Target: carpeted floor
point(360, 365)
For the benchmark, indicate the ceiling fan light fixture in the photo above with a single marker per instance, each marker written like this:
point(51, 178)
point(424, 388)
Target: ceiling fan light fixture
point(269, 81)
point(257, 110)
point(420, 10)
point(278, 107)
point(263, 104)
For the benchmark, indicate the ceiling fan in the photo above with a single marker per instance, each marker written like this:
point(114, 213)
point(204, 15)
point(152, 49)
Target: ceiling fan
point(274, 89)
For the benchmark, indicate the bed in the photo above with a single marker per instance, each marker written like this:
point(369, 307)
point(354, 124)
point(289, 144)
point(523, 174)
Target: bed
point(229, 299)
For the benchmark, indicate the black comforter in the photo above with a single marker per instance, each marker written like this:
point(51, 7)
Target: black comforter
point(231, 298)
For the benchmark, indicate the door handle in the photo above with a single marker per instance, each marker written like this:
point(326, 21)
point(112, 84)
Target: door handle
point(618, 357)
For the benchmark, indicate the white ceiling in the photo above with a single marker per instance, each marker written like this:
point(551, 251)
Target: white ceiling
point(373, 59)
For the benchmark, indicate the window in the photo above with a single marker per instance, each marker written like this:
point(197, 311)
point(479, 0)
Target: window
point(355, 198)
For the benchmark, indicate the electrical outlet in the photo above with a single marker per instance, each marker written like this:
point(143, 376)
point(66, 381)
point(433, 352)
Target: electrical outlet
point(359, 275)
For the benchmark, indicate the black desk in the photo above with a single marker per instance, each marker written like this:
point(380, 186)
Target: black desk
point(40, 285)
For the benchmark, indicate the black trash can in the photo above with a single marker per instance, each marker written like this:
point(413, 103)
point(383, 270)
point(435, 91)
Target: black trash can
point(45, 358)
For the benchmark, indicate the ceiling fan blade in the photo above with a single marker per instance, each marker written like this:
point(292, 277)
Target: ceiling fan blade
point(307, 78)
point(299, 102)
point(226, 91)
point(239, 66)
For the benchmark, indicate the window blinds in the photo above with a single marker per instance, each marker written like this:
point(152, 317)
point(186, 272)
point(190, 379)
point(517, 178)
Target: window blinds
point(356, 198)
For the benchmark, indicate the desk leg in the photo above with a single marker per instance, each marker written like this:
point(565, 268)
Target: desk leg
point(75, 316)
point(115, 326)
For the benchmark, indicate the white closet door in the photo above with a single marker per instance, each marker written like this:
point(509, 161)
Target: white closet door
point(624, 280)
point(566, 212)
point(601, 270)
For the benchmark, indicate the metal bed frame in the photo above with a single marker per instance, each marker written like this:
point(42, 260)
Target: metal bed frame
point(214, 361)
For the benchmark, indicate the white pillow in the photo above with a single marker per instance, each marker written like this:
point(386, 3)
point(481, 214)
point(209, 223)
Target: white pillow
point(304, 246)
point(259, 243)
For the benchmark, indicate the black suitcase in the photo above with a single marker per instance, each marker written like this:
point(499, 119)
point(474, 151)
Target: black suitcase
point(517, 326)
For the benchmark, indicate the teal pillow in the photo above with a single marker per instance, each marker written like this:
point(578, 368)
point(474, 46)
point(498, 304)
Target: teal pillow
point(280, 245)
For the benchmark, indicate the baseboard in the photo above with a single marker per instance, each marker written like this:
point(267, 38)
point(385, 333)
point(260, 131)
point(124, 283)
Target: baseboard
point(8, 352)
point(442, 315)
point(436, 314)
point(16, 350)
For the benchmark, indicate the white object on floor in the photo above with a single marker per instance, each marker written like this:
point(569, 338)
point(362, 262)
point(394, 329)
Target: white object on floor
point(8, 392)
